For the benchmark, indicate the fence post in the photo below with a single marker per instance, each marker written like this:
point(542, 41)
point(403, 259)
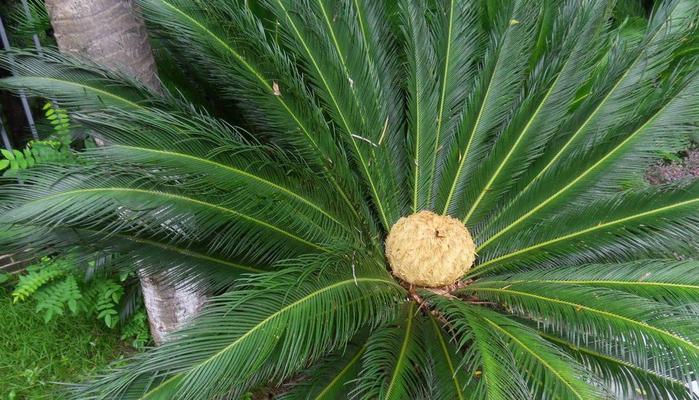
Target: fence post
point(22, 95)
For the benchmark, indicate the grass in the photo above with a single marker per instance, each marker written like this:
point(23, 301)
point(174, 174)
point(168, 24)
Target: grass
point(35, 356)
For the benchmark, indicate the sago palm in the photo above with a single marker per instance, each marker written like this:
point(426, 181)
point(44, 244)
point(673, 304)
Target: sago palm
point(424, 200)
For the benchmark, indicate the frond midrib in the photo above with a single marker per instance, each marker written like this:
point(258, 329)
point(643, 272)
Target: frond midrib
point(83, 86)
point(593, 282)
point(403, 350)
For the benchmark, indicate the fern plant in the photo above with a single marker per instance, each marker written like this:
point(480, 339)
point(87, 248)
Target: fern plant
point(512, 132)
point(57, 285)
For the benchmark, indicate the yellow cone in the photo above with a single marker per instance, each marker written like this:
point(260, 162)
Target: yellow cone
point(426, 249)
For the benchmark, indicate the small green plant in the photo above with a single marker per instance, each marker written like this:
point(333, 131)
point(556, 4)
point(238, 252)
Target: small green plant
point(58, 118)
point(56, 148)
point(136, 330)
point(34, 355)
point(58, 289)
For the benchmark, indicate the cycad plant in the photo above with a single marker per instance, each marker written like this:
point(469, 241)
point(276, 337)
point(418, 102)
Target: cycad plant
point(424, 200)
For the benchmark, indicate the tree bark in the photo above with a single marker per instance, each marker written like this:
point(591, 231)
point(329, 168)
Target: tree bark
point(111, 33)
point(108, 32)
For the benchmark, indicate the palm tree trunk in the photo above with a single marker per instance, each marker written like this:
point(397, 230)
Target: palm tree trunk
point(112, 34)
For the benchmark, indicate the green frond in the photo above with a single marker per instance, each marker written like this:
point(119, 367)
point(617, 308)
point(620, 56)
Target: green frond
point(668, 281)
point(598, 136)
point(136, 201)
point(551, 91)
point(650, 223)
point(73, 82)
point(548, 372)
point(266, 329)
point(258, 71)
point(620, 322)
point(488, 358)
point(459, 46)
point(451, 382)
point(624, 379)
point(331, 378)
point(422, 100)
point(308, 37)
point(491, 99)
point(217, 155)
point(393, 362)
point(184, 262)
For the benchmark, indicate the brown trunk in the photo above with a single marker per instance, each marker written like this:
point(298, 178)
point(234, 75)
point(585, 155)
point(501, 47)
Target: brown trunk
point(111, 33)
point(107, 32)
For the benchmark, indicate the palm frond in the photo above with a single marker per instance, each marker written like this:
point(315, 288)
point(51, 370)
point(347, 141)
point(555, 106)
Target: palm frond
point(216, 154)
point(651, 223)
point(600, 138)
point(331, 378)
point(391, 366)
point(551, 91)
point(140, 202)
point(489, 103)
point(422, 100)
point(489, 358)
point(451, 381)
point(308, 37)
point(668, 281)
point(257, 70)
point(624, 379)
point(75, 83)
point(266, 329)
point(460, 46)
point(547, 371)
point(639, 328)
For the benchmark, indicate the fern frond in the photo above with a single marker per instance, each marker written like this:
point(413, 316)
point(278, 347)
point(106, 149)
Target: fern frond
point(38, 275)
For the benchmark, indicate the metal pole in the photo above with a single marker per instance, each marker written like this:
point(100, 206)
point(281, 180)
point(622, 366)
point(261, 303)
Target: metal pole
point(5, 139)
point(35, 37)
point(22, 95)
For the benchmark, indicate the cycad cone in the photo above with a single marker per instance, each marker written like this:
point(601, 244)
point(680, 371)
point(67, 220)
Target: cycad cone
point(426, 249)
